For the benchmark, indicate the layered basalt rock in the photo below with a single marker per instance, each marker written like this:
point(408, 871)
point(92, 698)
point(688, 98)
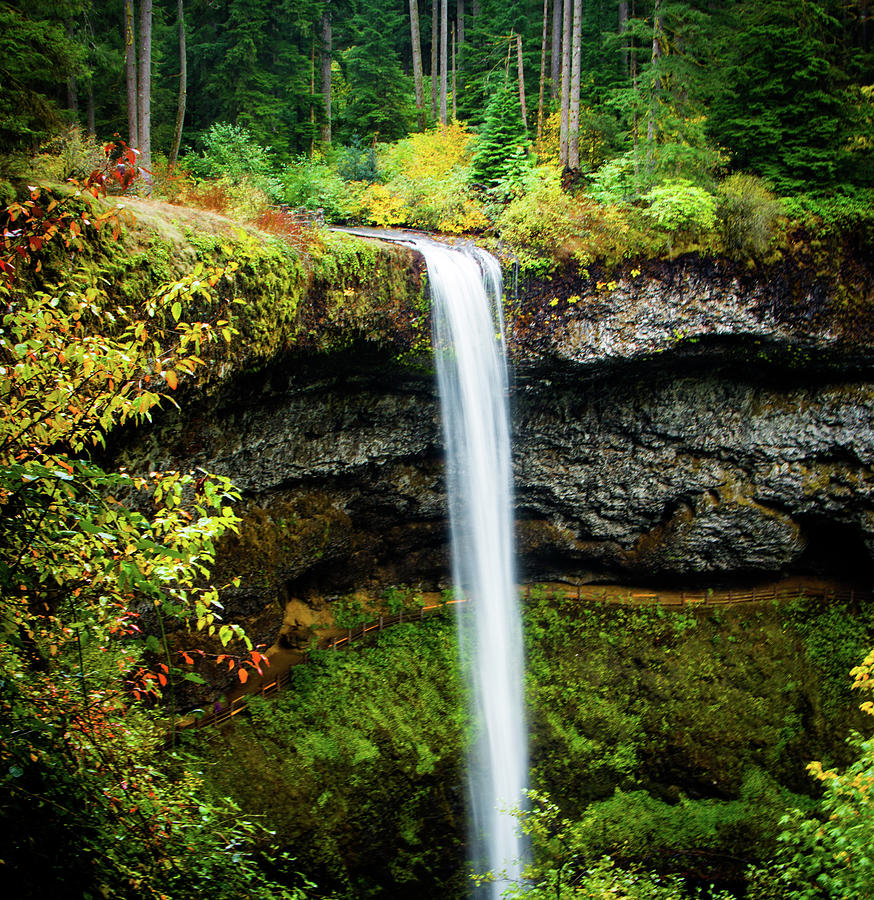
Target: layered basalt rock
point(683, 423)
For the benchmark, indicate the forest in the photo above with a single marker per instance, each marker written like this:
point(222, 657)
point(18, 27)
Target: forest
point(169, 174)
point(660, 117)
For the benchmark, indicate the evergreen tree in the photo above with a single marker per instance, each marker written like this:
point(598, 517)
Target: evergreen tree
point(380, 97)
point(780, 101)
point(503, 138)
point(37, 59)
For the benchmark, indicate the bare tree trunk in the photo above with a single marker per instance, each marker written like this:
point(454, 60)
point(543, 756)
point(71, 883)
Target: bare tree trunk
point(459, 18)
point(326, 55)
point(574, 117)
point(454, 83)
point(444, 58)
point(623, 27)
point(91, 115)
point(635, 125)
point(418, 78)
point(654, 79)
point(72, 87)
point(521, 74)
point(565, 82)
point(475, 11)
point(435, 48)
point(183, 88)
point(313, 94)
point(144, 92)
point(542, 72)
point(555, 54)
point(130, 72)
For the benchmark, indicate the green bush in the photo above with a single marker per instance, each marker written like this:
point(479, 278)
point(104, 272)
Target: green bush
point(748, 215)
point(313, 184)
point(230, 152)
point(681, 207)
point(357, 163)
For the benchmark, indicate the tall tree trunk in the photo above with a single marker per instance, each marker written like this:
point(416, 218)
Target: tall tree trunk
point(144, 93)
point(565, 82)
point(130, 73)
point(418, 78)
point(555, 55)
point(542, 72)
point(326, 55)
point(444, 57)
point(183, 87)
point(521, 74)
point(90, 108)
point(72, 87)
point(623, 27)
point(435, 49)
point(454, 83)
point(573, 160)
point(475, 10)
point(313, 95)
point(654, 80)
point(459, 18)
point(635, 124)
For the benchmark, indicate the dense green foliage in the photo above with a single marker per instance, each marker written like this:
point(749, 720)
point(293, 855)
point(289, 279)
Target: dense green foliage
point(669, 740)
point(358, 765)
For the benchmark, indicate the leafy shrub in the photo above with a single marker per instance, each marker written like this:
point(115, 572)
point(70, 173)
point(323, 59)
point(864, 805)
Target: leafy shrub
point(72, 153)
point(614, 182)
point(546, 226)
point(357, 163)
point(230, 153)
point(748, 214)
point(242, 199)
point(313, 184)
point(425, 183)
point(680, 206)
point(167, 184)
point(377, 204)
point(837, 212)
point(542, 221)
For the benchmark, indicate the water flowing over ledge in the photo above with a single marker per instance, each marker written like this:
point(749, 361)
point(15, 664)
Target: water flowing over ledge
point(472, 377)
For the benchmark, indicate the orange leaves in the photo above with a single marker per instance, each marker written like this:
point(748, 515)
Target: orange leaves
point(170, 378)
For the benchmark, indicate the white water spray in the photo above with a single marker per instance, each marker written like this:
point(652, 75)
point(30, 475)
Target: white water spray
point(472, 377)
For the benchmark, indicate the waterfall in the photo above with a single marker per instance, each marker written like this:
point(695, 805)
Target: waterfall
point(472, 377)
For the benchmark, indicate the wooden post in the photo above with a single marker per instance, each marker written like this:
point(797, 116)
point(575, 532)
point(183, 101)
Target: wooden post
point(380, 623)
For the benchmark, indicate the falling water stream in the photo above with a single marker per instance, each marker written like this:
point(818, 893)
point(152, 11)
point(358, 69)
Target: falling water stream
point(472, 376)
point(468, 339)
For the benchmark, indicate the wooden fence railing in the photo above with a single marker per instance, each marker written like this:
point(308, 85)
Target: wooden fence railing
point(589, 593)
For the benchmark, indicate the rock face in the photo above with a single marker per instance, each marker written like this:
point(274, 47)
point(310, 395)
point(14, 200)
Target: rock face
point(680, 424)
